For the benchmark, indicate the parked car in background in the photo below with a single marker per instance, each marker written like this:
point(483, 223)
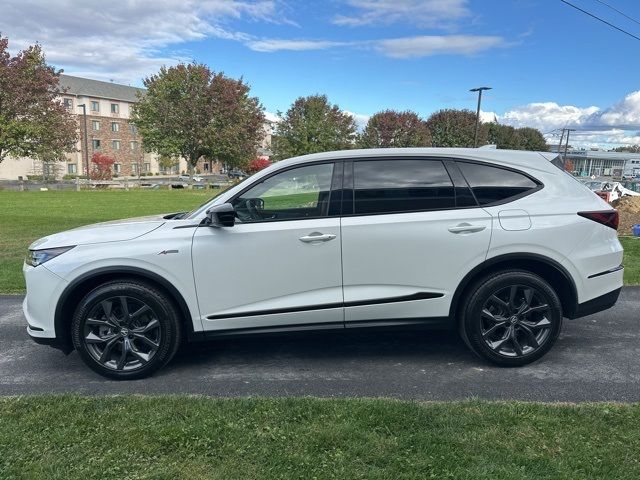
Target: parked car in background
point(236, 174)
point(500, 245)
point(185, 178)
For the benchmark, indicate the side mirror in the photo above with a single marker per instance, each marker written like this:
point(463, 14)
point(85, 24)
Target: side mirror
point(222, 215)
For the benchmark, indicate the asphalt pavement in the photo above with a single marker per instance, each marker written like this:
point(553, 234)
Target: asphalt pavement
point(596, 358)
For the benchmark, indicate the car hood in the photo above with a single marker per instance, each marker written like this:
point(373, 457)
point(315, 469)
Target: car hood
point(113, 231)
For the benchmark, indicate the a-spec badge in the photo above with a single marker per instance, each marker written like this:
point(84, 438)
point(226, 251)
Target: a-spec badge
point(165, 252)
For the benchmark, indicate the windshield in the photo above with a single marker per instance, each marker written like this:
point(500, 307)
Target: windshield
point(196, 210)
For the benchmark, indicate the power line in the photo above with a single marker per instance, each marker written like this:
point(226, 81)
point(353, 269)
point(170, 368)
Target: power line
point(600, 19)
point(620, 12)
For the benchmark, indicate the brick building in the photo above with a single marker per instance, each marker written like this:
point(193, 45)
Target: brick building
point(108, 109)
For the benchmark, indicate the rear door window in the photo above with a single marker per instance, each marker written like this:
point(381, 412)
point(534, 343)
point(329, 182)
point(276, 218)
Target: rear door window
point(495, 184)
point(396, 186)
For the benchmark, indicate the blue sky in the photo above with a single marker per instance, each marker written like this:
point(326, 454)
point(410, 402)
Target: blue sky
point(549, 65)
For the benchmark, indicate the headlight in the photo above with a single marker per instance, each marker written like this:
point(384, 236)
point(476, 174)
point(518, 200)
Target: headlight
point(38, 257)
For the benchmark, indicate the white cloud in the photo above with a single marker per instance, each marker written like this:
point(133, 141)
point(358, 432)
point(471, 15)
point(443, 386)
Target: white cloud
point(360, 118)
point(128, 40)
point(595, 127)
point(426, 45)
point(424, 13)
point(122, 40)
point(274, 45)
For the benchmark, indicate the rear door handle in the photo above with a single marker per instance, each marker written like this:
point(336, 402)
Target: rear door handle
point(317, 237)
point(467, 228)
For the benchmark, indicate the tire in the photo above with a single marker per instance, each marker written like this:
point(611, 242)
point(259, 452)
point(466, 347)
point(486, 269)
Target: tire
point(126, 329)
point(511, 318)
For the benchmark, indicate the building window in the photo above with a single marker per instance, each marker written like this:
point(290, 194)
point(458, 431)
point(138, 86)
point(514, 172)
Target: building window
point(133, 129)
point(68, 104)
point(95, 106)
point(134, 168)
point(117, 168)
point(134, 146)
point(96, 144)
point(115, 144)
point(72, 168)
point(115, 108)
point(146, 167)
point(95, 125)
point(115, 127)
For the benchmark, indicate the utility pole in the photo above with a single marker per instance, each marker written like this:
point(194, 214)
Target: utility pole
point(86, 144)
point(479, 90)
point(564, 160)
point(566, 145)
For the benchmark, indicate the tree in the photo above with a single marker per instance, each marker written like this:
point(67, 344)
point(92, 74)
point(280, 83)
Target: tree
point(390, 128)
point(455, 128)
point(167, 163)
point(33, 121)
point(189, 111)
point(532, 139)
point(102, 167)
point(508, 137)
point(311, 125)
point(257, 164)
point(504, 136)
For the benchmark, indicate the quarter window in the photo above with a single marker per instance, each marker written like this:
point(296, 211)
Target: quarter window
point(294, 194)
point(396, 186)
point(494, 184)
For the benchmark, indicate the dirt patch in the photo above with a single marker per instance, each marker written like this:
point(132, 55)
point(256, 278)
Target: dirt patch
point(629, 211)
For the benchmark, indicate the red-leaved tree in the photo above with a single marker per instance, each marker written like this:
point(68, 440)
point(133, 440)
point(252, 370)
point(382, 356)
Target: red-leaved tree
point(257, 164)
point(33, 121)
point(102, 165)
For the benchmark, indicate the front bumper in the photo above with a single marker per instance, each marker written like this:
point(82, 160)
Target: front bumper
point(43, 291)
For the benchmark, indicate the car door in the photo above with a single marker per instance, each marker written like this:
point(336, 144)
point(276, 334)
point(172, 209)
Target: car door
point(409, 235)
point(280, 264)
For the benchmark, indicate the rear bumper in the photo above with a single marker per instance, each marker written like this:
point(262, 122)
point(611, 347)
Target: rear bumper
point(595, 305)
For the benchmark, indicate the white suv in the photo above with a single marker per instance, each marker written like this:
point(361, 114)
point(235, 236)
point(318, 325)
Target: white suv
point(498, 244)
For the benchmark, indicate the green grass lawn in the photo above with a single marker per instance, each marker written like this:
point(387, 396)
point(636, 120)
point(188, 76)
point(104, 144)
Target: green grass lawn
point(631, 260)
point(200, 438)
point(26, 216)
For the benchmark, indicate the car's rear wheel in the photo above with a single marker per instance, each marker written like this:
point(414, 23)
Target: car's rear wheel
point(126, 329)
point(511, 318)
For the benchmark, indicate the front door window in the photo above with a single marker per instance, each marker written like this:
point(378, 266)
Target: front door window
point(294, 194)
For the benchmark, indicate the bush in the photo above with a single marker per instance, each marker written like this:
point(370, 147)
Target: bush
point(35, 178)
point(102, 165)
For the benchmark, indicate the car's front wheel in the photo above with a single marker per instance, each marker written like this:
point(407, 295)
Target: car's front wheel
point(511, 318)
point(126, 329)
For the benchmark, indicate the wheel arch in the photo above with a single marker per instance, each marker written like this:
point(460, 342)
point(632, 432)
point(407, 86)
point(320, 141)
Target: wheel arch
point(86, 282)
point(550, 270)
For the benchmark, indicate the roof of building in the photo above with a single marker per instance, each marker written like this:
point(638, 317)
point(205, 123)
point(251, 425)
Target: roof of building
point(602, 155)
point(94, 88)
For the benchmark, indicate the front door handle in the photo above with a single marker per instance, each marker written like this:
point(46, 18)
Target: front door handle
point(317, 237)
point(466, 228)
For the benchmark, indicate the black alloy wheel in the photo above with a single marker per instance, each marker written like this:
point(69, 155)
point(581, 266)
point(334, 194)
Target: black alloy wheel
point(511, 318)
point(126, 329)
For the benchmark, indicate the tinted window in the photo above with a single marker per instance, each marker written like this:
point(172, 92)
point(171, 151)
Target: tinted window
point(493, 184)
point(464, 197)
point(386, 186)
point(291, 195)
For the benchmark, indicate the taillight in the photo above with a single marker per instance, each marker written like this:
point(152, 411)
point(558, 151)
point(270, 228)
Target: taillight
point(608, 218)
